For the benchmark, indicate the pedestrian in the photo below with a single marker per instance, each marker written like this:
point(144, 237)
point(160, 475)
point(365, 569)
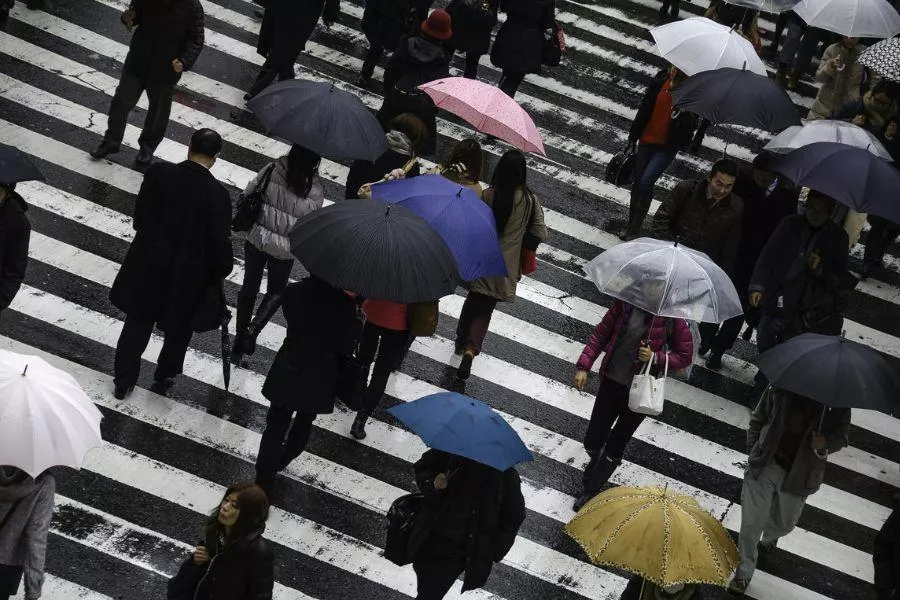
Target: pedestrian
point(518, 48)
point(469, 519)
point(877, 106)
point(5, 7)
point(473, 23)
point(465, 165)
point(668, 11)
point(520, 224)
point(293, 190)
point(886, 556)
point(882, 234)
point(405, 136)
point(286, 27)
point(796, 54)
point(181, 250)
point(322, 330)
point(745, 21)
point(768, 199)
point(640, 589)
point(629, 337)
point(232, 560)
point(15, 236)
point(384, 22)
point(800, 277)
point(841, 75)
point(26, 508)
point(789, 440)
point(657, 133)
point(167, 42)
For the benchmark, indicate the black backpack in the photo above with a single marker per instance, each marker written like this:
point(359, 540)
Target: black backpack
point(249, 205)
point(401, 518)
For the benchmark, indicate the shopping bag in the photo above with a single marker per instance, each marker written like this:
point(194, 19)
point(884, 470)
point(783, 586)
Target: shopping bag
point(647, 392)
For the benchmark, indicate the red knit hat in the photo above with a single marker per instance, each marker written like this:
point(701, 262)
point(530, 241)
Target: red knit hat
point(437, 25)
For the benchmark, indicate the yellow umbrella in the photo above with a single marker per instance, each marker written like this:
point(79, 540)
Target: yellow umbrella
point(664, 537)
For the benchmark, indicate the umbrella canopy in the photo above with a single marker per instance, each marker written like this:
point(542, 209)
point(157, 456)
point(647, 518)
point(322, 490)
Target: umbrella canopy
point(768, 6)
point(883, 58)
point(827, 130)
point(487, 109)
point(666, 279)
point(16, 166)
point(834, 371)
point(376, 250)
point(738, 97)
point(699, 44)
point(465, 427)
point(666, 538)
point(850, 175)
point(46, 419)
point(853, 18)
point(457, 214)
point(320, 117)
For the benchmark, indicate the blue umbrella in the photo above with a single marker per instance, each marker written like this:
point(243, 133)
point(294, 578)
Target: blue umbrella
point(465, 427)
point(456, 213)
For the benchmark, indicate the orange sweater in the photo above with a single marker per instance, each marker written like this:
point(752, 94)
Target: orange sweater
point(657, 129)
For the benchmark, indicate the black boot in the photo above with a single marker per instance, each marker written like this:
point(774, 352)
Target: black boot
point(358, 429)
point(241, 325)
point(637, 212)
point(267, 309)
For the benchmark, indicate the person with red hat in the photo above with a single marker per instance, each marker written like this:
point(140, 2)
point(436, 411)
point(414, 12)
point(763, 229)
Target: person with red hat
point(419, 58)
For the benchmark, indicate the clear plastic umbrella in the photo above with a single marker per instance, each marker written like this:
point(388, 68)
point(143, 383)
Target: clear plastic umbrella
point(768, 6)
point(827, 130)
point(852, 18)
point(666, 279)
point(699, 44)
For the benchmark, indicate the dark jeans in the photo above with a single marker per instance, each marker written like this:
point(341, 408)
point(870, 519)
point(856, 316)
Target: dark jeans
point(434, 579)
point(474, 320)
point(280, 67)
point(278, 446)
point(670, 4)
point(799, 46)
point(133, 341)
point(720, 338)
point(510, 82)
point(255, 262)
point(612, 422)
point(650, 162)
point(387, 348)
point(373, 55)
point(159, 98)
point(881, 235)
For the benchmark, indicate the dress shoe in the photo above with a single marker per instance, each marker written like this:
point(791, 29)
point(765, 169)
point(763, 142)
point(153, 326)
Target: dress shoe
point(358, 429)
point(120, 390)
point(104, 149)
point(580, 501)
point(162, 386)
point(465, 366)
point(144, 157)
point(714, 361)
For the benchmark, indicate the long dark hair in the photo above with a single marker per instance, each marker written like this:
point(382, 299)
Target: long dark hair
point(509, 176)
point(254, 507)
point(302, 164)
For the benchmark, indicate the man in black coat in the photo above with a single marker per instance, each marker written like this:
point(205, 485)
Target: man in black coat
point(15, 232)
point(168, 40)
point(181, 251)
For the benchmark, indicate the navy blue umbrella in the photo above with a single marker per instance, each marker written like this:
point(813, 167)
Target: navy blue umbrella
point(852, 176)
point(16, 166)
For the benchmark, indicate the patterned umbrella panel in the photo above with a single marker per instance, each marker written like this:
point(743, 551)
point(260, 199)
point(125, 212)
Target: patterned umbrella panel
point(883, 58)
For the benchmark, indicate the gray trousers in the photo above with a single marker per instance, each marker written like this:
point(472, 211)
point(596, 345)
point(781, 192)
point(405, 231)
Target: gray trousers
point(767, 513)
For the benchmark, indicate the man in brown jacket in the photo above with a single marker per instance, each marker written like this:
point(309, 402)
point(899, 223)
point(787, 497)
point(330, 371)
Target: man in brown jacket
point(840, 74)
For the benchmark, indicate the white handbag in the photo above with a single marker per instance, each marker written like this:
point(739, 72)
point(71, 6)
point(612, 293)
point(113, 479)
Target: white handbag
point(647, 393)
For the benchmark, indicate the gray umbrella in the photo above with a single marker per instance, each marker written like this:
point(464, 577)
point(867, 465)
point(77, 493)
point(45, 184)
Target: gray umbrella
point(834, 371)
point(320, 117)
point(377, 250)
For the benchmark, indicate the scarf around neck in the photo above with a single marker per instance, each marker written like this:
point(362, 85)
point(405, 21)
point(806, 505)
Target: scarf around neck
point(399, 142)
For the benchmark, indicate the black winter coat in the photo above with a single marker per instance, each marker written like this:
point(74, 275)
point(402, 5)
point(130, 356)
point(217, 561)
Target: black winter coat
point(166, 30)
point(475, 519)
point(15, 233)
point(384, 22)
point(689, 217)
point(520, 41)
point(683, 126)
point(322, 328)
point(288, 24)
point(473, 21)
point(366, 171)
point(243, 571)
point(182, 245)
point(886, 555)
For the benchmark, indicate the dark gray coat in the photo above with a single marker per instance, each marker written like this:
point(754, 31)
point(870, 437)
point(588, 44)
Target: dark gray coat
point(166, 30)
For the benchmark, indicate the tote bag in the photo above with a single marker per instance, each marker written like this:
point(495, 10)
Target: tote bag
point(647, 393)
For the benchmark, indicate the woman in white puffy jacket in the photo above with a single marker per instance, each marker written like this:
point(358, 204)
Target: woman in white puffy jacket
point(293, 190)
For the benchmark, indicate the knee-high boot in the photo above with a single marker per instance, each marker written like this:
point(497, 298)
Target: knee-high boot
point(637, 212)
point(242, 323)
point(267, 309)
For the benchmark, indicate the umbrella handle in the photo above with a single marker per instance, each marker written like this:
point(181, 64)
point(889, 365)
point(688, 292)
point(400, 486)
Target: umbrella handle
point(822, 419)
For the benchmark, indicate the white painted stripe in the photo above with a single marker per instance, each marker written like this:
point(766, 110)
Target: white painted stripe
point(57, 588)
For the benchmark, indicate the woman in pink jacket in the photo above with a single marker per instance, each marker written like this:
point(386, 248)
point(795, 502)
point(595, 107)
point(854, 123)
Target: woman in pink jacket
point(628, 337)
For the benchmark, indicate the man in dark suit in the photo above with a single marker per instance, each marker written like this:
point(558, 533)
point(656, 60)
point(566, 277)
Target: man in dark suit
point(182, 250)
point(168, 40)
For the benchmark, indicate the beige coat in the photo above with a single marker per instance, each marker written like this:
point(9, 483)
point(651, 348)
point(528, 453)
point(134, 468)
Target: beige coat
point(522, 219)
point(838, 87)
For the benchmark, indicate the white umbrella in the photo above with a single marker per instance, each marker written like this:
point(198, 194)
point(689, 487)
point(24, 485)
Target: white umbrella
point(853, 18)
point(666, 279)
point(768, 6)
point(46, 419)
point(827, 130)
point(699, 44)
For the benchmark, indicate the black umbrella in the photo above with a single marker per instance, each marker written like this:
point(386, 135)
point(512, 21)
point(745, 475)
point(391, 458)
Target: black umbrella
point(16, 166)
point(376, 250)
point(320, 117)
point(736, 97)
point(226, 338)
point(834, 371)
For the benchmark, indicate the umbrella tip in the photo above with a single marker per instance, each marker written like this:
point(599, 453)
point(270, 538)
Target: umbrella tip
point(25, 370)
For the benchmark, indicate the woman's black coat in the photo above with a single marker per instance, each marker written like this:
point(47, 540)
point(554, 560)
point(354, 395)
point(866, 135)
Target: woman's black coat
point(166, 30)
point(15, 233)
point(243, 571)
point(384, 22)
point(683, 126)
point(472, 27)
point(366, 171)
point(520, 41)
point(322, 328)
point(475, 519)
point(288, 24)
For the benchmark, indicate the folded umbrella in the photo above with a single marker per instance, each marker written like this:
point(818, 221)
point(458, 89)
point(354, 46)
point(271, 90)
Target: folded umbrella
point(16, 166)
point(666, 279)
point(852, 176)
point(376, 250)
point(737, 97)
point(852, 18)
point(46, 419)
point(320, 117)
point(465, 427)
point(699, 44)
point(457, 214)
point(883, 58)
point(487, 109)
point(834, 371)
point(827, 130)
